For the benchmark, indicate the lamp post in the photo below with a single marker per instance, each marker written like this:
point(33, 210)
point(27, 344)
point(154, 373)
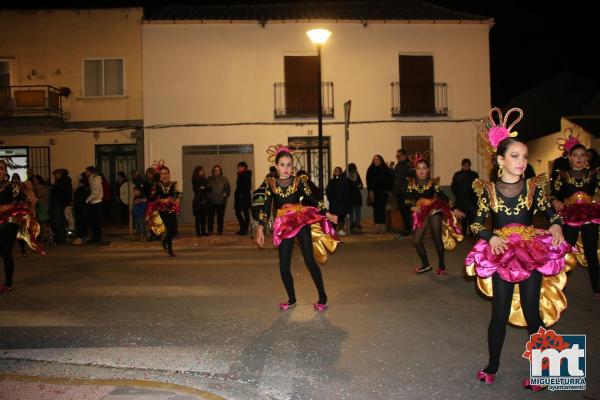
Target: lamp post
point(319, 37)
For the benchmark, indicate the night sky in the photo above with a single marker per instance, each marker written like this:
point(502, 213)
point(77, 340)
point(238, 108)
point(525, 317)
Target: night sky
point(529, 43)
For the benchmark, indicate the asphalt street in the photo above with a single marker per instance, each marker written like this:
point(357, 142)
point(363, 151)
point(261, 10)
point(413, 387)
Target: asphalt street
point(208, 320)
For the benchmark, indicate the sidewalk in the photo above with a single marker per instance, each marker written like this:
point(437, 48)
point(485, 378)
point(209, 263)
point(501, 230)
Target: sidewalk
point(119, 238)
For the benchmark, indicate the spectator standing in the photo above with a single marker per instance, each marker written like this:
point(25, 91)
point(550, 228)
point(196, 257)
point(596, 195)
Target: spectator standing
point(356, 202)
point(200, 204)
point(379, 184)
point(138, 212)
point(217, 197)
point(465, 198)
point(403, 171)
point(60, 197)
point(338, 193)
point(42, 208)
point(94, 202)
point(242, 197)
point(81, 209)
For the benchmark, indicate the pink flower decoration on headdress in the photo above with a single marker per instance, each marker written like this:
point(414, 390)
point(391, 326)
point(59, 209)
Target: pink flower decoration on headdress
point(157, 165)
point(495, 133)
point(418, 157)
point(273, 151)
point(281, 149)
point(570, 138)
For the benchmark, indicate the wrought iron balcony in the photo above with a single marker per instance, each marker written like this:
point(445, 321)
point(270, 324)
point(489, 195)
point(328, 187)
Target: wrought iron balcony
point(300, 101)
point(32, 101)
point(419, 100)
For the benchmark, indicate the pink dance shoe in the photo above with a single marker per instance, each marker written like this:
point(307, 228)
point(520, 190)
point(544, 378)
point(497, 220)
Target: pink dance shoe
point(534, 388)
point(485, 377)
point(286, 306)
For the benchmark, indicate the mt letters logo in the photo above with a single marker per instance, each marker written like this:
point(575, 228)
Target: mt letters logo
point(556, 361)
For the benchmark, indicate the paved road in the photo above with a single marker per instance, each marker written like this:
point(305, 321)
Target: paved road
point(208, 320)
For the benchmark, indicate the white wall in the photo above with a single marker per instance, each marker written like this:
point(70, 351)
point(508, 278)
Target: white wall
point(544, 150)
point(224, 73)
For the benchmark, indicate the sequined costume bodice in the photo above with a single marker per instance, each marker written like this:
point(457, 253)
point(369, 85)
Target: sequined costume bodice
point(510, 204)
point(278, 194)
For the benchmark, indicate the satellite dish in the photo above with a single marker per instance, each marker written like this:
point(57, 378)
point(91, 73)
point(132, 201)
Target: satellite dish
point(126, 193)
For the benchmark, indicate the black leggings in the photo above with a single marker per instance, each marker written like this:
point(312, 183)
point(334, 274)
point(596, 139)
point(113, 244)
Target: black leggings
point(8, 235)
point(285, 261)
point(529, 291)
point(435, 222)
point(170, 221)
point(589, 237)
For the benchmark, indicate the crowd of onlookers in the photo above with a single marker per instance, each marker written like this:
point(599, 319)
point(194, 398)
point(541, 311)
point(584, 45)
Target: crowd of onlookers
point(66, 213)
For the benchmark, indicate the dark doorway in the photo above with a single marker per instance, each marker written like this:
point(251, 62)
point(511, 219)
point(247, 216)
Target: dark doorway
point(110, 160)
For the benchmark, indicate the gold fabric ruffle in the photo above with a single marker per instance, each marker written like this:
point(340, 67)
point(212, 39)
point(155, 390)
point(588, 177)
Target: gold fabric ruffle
point(155, 223)
point(321, 243)
point(449, 236)
point(29, 230)
point(579, 256)
point(552, 299)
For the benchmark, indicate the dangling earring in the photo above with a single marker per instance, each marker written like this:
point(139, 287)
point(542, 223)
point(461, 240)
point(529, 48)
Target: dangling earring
point(500, 171)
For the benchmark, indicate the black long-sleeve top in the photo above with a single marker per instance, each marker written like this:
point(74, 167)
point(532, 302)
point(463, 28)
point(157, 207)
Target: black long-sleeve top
point(568, 183)
point(297, 192)
point(427, 189)
point(165, 191)
point(518, 209)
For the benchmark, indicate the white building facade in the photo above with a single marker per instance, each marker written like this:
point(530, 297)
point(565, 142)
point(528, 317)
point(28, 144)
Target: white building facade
point(221, 91)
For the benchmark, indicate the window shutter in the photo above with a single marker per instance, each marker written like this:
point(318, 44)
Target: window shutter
point(301, 89)
point(416, 85)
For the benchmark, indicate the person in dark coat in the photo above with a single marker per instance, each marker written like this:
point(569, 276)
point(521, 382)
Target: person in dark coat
point(462, 188)
point(242, 201)
point(82, 218)
point(60, 197)
point(403, 171)
point(200, 203)
point(338, 193)
point(379, 184)
point(356, 201)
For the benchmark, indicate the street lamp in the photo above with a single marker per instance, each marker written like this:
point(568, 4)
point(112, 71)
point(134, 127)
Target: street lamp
point(319, 37)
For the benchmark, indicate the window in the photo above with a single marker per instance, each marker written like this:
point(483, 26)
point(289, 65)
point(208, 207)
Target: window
point(419, 144)
point(103, 77)
point(301, 90)
point(416, 85)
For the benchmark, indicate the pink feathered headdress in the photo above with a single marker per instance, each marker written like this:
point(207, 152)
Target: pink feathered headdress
point(570, 138)
point(418, 157)
point(493, 133)
point(158, 165)
point(273, 151)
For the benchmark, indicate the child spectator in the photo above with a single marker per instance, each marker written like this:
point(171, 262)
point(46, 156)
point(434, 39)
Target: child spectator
point(138, 212)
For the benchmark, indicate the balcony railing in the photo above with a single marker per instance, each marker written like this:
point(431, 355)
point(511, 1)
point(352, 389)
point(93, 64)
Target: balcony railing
point(300, 101)
point(419, 100)
point(32, 101)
